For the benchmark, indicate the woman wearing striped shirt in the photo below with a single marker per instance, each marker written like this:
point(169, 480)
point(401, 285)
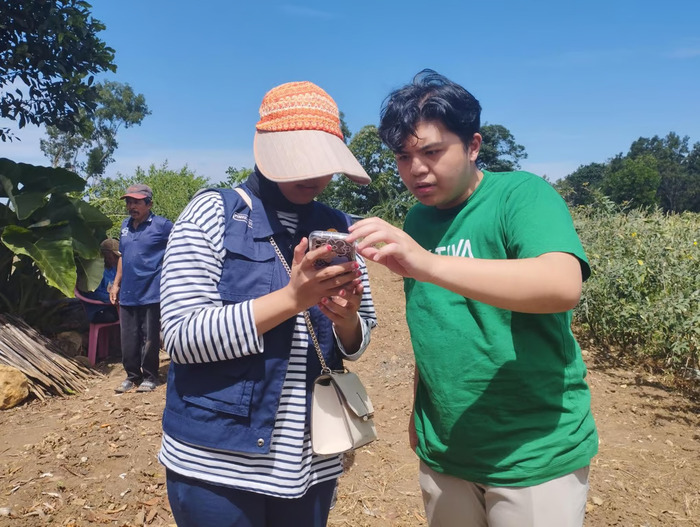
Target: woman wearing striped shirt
point(236, 441)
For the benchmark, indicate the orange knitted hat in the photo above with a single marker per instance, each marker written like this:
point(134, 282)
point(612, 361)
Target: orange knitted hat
point(299, 106)
point(298, 136)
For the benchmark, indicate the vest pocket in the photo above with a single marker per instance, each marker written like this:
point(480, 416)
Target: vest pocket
point(247, 271)
point(237, 402)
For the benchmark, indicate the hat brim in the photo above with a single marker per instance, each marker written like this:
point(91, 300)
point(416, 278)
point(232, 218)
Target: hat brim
point(135, 195)
point(305, 154)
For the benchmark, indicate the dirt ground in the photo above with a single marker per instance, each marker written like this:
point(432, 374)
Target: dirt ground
point(90, 459)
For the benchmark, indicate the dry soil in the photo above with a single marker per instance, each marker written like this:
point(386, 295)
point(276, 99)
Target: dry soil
point(90, 459)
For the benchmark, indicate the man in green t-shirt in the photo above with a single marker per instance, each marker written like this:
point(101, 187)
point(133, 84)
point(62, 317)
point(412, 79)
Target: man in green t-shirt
point(493, 267)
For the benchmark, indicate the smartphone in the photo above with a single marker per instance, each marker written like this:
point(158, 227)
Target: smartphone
point(345, 251)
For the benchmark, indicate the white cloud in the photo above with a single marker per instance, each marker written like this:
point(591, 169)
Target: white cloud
point(685, 53)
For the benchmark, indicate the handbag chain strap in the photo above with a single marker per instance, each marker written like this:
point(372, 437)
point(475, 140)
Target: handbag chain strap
point(324, 367)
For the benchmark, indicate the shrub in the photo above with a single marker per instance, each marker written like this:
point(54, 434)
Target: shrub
point(643, 296)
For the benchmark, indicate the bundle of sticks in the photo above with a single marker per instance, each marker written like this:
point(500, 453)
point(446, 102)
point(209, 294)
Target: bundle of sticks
point(50, 372)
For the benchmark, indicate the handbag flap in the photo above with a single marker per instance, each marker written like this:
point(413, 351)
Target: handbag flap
point(354, 393)
point(329, 428)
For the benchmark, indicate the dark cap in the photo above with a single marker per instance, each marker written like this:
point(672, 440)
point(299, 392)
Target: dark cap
point(138, 191)
point(110, 244)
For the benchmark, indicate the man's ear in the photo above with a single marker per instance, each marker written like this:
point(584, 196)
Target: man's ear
point(474, 146)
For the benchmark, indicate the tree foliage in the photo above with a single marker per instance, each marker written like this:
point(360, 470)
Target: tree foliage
point(635, 181)
point(580, 187)
point(236, 176)
point(679, 183)
point(89, 150)
point(172, 191)
point(385, 195)
point(49, 53)
point(661, 171)
point(499, 151)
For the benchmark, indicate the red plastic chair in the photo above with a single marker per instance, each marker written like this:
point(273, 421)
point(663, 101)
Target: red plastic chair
point(98, 339)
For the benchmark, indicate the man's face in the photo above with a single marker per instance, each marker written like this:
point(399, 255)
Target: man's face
point(110, 258)
point(138, 209)
point(436, 166)
point(303, 192)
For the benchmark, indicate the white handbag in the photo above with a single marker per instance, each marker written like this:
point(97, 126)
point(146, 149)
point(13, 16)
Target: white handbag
point(341, 414)
point(341, 411)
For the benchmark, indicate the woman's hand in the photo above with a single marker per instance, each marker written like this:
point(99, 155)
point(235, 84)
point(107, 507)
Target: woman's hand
point(342, 310)
point(309, 284)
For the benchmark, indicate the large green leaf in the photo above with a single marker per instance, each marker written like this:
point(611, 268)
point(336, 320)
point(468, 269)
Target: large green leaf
point(28, 186)
point(62, 208)
point(89, 273)
point(51, 248)
point(92, 216)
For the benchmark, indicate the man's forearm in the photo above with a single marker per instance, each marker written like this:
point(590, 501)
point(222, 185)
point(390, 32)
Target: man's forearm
point(550, 283)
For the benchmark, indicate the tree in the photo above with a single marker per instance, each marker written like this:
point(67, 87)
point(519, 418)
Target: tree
point(677, 187)
point(636, 181)
point(499, 151)
point(579, 187)
point(691, 200)
point(236, 176)
point(49, 53)
point(90, 149)
point(378, 161)
point(172, 191)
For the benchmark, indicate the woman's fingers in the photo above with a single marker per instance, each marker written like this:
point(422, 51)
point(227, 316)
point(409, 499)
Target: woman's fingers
point(299, 251)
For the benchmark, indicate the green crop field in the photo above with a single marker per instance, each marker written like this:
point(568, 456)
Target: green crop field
point(643, 297)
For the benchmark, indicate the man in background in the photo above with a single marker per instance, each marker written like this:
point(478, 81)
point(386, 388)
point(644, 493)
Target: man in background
point(108, 313)
point(136, 288)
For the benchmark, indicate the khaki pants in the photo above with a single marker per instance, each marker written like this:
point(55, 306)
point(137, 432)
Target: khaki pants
point(454, 502)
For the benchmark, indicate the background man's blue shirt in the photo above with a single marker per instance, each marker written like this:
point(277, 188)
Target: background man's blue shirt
point(142, 251)
point(101, 293)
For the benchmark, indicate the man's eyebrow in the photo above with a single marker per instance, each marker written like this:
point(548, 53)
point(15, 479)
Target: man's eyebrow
point(429, 146)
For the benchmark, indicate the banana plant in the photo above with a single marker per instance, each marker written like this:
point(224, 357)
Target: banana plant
point(50, 236)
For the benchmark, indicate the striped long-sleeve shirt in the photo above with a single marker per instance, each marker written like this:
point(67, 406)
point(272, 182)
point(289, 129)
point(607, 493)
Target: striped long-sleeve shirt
point(198, 327)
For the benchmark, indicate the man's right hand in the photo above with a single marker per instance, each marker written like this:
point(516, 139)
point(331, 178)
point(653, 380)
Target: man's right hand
point(114, 294)
point(412, 436)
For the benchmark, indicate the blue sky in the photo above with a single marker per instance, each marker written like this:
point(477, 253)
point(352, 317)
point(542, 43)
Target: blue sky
point(575, 82)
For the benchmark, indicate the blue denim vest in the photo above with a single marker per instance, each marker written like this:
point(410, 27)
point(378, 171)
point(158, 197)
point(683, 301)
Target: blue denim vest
point(231, 405)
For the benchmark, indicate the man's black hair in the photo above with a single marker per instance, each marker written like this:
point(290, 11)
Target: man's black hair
point(429, 97)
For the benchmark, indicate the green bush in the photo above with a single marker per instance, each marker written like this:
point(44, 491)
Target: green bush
point(172, 191)
point(643, 297)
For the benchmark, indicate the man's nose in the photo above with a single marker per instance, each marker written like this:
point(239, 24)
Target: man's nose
point(418, 167)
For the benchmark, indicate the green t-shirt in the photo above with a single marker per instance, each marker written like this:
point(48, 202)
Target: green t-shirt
point(502, 398)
